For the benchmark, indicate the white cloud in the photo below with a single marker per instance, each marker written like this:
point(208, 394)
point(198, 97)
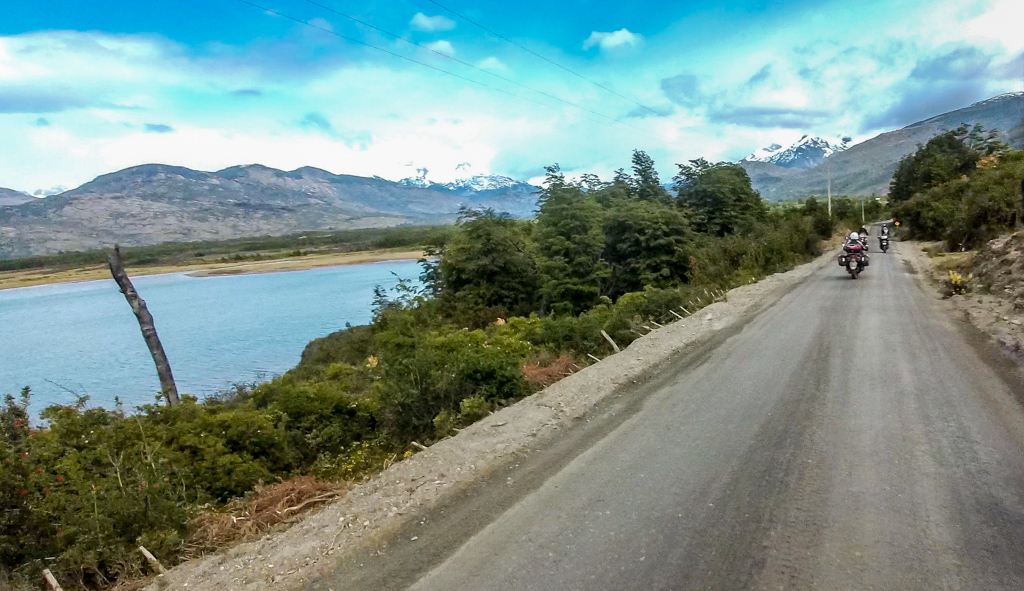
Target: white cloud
point(423, 22)
point(1002, 23)
point(385, 113)
point(612, 40)
point(492, 63)
point(441, 46)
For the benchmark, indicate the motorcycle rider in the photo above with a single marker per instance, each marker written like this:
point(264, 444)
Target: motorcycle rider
point(863, 234)
point(855, 245)
point(883, 236)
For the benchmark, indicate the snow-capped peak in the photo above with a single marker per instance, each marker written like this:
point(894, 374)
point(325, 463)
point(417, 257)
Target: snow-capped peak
point(999, 97)
point(462, 179)
point(420, 180)
point(807, 152)
point(764, 154)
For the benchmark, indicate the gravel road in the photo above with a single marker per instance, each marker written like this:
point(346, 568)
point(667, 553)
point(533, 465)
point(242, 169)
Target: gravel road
point(848, 437)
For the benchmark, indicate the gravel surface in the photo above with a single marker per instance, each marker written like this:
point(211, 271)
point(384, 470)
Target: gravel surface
point(998, 312)
point(850, 437)
point(372, 513)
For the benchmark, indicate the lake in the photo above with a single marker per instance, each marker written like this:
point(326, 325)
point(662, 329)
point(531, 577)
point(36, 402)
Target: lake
point(217, 331)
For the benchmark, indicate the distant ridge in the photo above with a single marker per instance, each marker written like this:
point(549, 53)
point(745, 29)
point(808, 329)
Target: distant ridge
point(12, 197)
point(867, 167)
point(155, 203)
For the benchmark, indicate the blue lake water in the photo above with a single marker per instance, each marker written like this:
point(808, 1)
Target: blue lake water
point(217, 331)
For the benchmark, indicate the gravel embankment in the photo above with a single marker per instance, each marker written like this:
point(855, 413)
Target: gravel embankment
point(997, 311)
point(370, 512)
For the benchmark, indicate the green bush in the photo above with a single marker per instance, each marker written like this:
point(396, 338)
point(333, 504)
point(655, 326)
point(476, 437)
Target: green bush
point(441, 369)
point(966, 212)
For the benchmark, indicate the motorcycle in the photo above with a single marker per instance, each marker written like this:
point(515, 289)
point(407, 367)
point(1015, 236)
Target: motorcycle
point(883, 242)
point(853, 258)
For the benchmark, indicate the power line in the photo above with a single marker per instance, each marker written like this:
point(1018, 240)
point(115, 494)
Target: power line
point(391, 53)
point(552, 62)
point(465, 63)
point(415, 61)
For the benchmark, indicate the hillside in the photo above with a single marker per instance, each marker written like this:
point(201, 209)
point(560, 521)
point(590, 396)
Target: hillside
point(157, 203)
point(865, 168)
point(11, 197)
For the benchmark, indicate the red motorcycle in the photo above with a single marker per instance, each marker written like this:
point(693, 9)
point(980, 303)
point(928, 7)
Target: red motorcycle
point(853, 258)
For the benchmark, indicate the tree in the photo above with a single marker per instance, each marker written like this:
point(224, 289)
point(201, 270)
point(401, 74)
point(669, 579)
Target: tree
point(645, 181)
point(156, 350)
point(487, 265)
point(622, 181)
point(645, 245)
point(967, 210)
point(720, 196)
point(949, 155)
point(570, 242)
point(591, 183)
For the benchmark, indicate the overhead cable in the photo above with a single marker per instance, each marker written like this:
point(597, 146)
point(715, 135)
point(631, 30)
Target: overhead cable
point(465, 63)
point(550, 61)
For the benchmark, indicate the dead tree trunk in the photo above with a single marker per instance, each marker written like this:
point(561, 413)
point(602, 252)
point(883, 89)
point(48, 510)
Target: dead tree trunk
point(163, 367)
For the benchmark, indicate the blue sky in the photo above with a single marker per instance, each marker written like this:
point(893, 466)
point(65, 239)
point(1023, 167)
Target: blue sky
point(91, 87)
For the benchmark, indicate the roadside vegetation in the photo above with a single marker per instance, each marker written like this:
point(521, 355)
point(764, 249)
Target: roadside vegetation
point(961, 188)
point(509, 306)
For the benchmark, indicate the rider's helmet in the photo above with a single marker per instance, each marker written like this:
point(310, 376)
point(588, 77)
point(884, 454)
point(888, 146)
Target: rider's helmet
point(854, 236)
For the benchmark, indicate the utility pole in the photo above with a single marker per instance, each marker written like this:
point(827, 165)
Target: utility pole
point(828, 167)
point(862, 220)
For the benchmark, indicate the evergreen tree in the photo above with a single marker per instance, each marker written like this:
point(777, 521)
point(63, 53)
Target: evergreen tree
point(645, 244)
point(487, 265)
point(720, 196)
point(570, 243)
point(645, 182)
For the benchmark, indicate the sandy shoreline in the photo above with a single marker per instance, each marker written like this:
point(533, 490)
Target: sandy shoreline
point(32, 277)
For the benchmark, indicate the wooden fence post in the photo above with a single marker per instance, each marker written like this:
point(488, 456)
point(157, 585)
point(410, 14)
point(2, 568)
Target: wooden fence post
point(610, 341)
point(163, 367)
point(51, 581)
point(153, 562)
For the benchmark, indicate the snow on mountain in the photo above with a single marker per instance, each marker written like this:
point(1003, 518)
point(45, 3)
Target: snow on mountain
point(998, 98)
point(462, 179)
point(764, 154)
point(483, 182)
point(807, 152)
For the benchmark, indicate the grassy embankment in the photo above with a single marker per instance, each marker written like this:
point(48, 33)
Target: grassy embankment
point(229, 257)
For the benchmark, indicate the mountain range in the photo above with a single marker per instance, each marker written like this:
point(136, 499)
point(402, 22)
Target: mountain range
point(867, 167)
point(156, 203)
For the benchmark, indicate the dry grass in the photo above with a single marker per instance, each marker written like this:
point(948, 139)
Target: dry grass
point(131, 584)
point(544, 371)
point(203, 268)
point(954, 261)
point(250, 517)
